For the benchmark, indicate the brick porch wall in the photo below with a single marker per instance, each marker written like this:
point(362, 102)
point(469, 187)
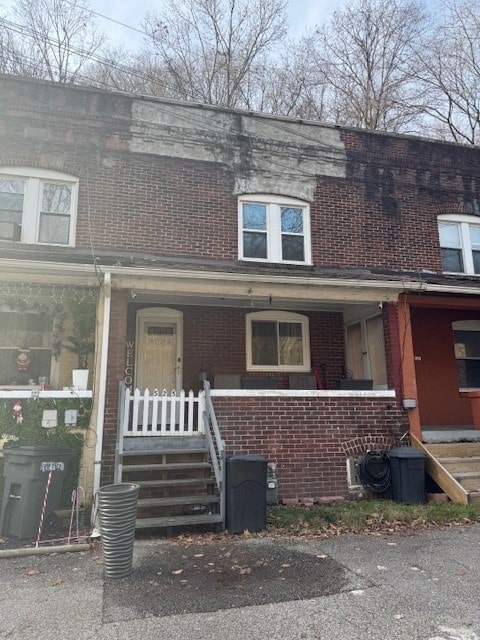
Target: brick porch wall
point(309, 438)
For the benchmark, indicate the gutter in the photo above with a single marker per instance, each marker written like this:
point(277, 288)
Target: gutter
point(107, 296)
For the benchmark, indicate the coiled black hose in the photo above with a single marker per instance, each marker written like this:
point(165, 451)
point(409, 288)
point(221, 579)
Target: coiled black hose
point(374, 471)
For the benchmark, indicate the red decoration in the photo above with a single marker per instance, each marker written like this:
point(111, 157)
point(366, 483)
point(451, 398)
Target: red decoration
point(17, 413)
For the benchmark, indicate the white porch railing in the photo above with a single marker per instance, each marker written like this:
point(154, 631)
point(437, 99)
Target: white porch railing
point(162, 413)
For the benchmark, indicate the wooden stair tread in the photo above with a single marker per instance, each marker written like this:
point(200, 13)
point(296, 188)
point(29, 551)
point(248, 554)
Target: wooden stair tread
point(178, 521)
point(169, 466)
point(178, 500)
point(466, 474)
point(447, 460)
point(163, 452)
point(470, 484)
point(174, 483)
point(454, 449)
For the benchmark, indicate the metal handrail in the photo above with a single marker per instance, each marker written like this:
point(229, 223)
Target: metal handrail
point(216, 446)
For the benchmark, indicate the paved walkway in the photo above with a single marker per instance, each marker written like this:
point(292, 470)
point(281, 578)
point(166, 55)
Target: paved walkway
point(421, 586)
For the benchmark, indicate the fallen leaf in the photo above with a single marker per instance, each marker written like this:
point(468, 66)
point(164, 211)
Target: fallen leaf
point(245, 571)
point(57, 581)
point(177, 572)
point(285, 565)
point(29, 573)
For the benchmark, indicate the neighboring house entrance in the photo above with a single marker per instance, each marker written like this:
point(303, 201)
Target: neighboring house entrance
point(444, 364)
point(159, 353)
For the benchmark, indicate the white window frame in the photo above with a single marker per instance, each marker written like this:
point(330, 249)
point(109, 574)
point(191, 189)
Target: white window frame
point(279, 316)
point(34, 180)
point(463, 223)
point(273, 227)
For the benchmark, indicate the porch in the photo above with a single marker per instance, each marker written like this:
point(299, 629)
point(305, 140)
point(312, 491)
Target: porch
point(177, 451)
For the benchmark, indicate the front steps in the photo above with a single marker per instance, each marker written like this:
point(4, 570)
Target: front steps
point(177, 488)
point(455, 467)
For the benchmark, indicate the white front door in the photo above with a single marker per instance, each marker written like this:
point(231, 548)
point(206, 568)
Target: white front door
point(159, 349)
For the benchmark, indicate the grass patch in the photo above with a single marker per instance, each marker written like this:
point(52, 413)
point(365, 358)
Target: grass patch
point(368, 515)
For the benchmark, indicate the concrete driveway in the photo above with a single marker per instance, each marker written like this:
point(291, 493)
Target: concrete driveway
point(421, 586)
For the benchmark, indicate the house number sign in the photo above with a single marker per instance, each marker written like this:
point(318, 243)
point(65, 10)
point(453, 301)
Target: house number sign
point(128, 379)
point(52, 466)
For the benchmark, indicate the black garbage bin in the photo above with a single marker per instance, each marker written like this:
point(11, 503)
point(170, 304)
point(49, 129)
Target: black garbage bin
point(408, 475)
point(246, 499)
point(26, 471)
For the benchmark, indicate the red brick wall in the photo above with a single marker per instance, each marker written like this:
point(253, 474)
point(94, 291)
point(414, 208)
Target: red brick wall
point(214, 337)
point(308, 438)
point(382, 215)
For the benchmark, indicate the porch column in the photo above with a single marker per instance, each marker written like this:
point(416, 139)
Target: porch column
point(407, 365)
point(474, 397)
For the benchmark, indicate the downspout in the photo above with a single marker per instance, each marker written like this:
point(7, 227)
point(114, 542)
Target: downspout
point(102, 388)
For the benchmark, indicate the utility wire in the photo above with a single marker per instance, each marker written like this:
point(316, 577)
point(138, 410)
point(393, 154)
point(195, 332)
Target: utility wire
point(101, 15)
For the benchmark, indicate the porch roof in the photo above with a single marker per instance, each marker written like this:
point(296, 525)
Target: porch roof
point(242, 285)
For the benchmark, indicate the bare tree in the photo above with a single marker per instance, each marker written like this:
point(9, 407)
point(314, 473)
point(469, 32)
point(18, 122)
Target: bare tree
point(450, 69)
point(365, 50)
point(54, 39)
point(210, 49)
point(133, 72)
point(293, 85)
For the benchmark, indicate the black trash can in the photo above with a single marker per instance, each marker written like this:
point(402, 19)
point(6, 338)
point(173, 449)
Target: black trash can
point(246, 500)
point(117, 511)
point(26, 471)
point(408, 475)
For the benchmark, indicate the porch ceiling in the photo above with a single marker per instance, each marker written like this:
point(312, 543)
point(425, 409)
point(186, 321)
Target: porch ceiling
point(247, 291)
point(244, 302)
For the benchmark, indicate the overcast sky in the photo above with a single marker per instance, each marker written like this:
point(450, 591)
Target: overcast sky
point(301, 14)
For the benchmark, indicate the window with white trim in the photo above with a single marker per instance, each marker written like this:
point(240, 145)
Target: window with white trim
point(460, 243)
point(278, 341)
point(274, 229)
point(37, 206)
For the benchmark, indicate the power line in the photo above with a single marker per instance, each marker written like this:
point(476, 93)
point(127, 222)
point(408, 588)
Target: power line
point(101, 15)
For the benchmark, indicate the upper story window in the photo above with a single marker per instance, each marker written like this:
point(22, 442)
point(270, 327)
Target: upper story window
point(274, 229)
point(37, 206)
point(278, 341)
point(460, 243)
